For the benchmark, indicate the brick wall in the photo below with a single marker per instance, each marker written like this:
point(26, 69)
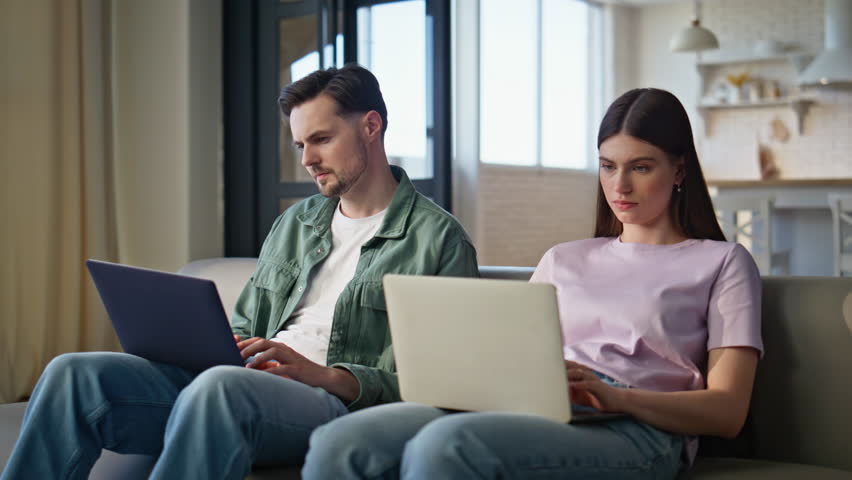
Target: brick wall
point(525, 211)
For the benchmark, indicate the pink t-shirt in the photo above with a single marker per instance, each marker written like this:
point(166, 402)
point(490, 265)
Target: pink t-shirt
point(646, 315)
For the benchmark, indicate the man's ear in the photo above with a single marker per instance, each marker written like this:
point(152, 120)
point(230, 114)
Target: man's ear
point(372, 125)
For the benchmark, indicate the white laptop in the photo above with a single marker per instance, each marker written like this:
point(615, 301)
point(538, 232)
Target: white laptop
point(480, 345)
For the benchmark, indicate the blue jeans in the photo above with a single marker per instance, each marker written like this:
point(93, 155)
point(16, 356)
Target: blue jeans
point(413, 441)
point(212, 425)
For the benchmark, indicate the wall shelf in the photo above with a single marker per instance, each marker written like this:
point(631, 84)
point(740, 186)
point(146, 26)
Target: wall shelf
point(800, 60)
point(715, 63)
point(800, 107)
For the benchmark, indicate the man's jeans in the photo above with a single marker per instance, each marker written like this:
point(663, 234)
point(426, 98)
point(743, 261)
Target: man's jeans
point(212, 425)
point(414, 441)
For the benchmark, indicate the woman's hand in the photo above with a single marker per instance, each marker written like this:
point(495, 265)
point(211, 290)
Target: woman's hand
point(719, 410)
point(586, 388)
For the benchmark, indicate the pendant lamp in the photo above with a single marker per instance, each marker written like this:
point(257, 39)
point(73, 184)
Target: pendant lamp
point(694, 38)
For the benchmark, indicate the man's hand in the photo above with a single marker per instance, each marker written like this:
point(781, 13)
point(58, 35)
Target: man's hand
point(279, 359)
point(588, 389)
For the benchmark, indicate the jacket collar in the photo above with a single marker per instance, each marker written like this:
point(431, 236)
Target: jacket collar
point(393, 226)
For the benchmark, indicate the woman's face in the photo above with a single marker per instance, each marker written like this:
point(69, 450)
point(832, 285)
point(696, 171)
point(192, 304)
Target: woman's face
point(638, 179)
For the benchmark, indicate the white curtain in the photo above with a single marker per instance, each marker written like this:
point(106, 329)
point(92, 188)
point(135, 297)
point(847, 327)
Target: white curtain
point(56, 183)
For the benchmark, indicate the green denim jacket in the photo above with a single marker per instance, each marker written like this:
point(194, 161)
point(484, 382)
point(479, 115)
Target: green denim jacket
point(416, 237)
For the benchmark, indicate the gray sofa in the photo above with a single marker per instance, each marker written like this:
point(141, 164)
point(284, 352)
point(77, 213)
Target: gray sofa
point(799, 425)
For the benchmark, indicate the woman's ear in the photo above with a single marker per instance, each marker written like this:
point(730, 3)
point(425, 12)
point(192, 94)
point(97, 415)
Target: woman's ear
point(680, 170)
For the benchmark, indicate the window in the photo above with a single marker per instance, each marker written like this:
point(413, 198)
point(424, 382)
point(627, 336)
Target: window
point(392, 44)
point(540, 71)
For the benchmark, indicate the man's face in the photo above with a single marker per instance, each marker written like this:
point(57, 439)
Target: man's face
point(332, 147)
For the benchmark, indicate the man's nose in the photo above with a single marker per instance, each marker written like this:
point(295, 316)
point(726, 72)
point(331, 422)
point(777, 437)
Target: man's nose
point(309, 157)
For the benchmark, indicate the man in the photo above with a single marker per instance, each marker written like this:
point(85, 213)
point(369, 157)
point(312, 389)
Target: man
point(311, 322)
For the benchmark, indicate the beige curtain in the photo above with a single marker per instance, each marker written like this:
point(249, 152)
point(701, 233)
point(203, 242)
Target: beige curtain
point(56, 176)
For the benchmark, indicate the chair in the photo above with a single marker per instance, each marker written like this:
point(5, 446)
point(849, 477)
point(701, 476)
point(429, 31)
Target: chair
point(747, 220)
point(841, 216)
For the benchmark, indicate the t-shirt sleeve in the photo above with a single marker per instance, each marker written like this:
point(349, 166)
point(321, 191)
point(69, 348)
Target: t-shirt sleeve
point(733, 314)
point(542, 273)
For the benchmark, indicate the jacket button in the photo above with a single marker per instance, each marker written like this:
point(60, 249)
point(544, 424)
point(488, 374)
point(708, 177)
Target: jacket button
point(319, 250)
point(301, 288)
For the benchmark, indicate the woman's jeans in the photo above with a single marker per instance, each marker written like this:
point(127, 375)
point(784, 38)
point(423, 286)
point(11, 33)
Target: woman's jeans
point(210, 425)
point(413, 441)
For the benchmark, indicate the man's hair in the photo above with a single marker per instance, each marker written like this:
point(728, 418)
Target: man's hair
point(353, 87)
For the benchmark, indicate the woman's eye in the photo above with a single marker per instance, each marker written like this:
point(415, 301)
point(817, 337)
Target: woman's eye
point(607, 167)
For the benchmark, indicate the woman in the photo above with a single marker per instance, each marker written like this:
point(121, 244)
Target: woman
point(661, 320)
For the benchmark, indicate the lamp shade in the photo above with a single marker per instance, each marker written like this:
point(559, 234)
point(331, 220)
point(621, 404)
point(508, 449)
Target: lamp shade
point(693, 38)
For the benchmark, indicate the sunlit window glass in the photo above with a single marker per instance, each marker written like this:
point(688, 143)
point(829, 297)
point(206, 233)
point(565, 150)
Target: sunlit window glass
point(564, 83)
point(508, 82)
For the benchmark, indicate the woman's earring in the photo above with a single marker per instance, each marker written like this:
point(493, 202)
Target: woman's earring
point(679, 188)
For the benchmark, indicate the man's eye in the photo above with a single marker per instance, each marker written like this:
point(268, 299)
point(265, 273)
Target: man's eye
point(642, 168)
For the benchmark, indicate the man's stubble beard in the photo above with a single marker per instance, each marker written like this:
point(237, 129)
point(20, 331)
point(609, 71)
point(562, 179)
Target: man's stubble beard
point(345, 183)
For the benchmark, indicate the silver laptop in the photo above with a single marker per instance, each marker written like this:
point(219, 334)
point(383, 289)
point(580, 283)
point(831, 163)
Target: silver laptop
point(480, 345)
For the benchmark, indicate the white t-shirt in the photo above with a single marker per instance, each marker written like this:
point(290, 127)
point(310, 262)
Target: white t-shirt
point(309, 330)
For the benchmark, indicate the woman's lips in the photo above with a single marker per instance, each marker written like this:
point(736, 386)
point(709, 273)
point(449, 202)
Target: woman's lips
point(624, 205)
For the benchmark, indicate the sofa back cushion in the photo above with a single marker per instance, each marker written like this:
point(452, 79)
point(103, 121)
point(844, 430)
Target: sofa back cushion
point(230, 275)
point(801, 409)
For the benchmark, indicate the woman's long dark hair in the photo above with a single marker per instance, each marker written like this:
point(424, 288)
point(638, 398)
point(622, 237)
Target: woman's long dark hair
point(657, 117)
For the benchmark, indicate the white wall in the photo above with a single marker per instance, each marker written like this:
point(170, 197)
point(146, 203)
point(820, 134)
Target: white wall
point(621, 65)
point(167, 109)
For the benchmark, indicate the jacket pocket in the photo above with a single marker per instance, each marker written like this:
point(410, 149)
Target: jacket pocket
point(274, 282)
point(275, 277)
point(373, 296)
point(372, 332)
